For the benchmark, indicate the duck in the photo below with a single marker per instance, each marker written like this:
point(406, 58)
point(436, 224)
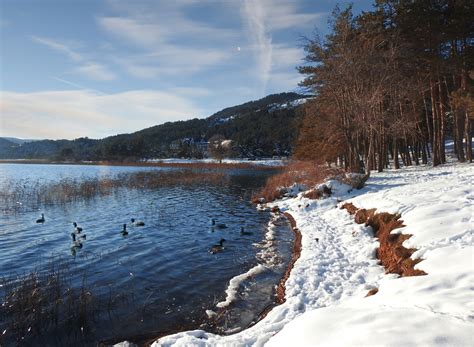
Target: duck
point(218, 225)
point(41, 220)
point(243, 232)
point(124, 232)
point(75, 243)
point(218, 247)
point(137, 223)
point(77, 229)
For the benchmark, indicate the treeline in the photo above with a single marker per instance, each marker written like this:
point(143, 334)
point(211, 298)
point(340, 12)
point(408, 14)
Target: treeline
point(395, 82)
point(260, 128)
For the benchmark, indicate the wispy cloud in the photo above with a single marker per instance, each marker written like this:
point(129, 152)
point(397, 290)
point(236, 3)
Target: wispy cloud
point(262, 20)
point(70, 114)
point(254, 14)
point(133, 30)
point(285, 15)
point(96, 71)
point(166, 41)
point(87, 67)
point(58, 47)
point(75, 85)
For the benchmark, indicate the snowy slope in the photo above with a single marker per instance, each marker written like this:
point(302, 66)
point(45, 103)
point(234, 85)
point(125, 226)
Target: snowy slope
point(326, 303)
point(437, 309)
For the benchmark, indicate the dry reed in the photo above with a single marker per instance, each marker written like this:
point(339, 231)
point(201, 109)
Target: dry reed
point(304, 173)
point(68, 189)
point(56, 302)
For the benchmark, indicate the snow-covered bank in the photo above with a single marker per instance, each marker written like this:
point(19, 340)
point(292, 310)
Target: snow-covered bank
point(437, 309)
point(263, 162)
point(325, 293)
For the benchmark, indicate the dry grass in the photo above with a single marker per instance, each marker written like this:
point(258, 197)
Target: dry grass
point(392, 254)
point(190, 165)
point(67, 189)
point(56, 302)
point(304, 173)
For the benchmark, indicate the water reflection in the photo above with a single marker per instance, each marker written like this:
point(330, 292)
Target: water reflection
point(159, 276)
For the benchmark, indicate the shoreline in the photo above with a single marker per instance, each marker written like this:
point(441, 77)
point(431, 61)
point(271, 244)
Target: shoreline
point(326, 292)
point(295, 255)
point(280, 290)
point(279, 294)
point(191, 164)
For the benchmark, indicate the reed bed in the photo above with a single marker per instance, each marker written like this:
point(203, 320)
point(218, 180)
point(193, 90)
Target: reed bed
point(303, 173)
point(41, 303)
point(15, 193)
point(184, 165)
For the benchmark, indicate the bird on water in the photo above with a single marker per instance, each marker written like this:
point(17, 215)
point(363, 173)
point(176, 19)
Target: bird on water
point(218, 247)
point(77, 229)
point(124, 230)
point(137, 223)
point(243, 232)
point(41, 220)
point(75, 243)
point(218, 225)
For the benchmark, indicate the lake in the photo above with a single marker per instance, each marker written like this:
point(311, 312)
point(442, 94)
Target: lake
point(160, 278)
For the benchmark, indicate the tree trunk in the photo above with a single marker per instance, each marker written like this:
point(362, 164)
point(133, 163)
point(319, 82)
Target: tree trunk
point(434, 111)
point(468, 137)
point(396, 164)
point(442, 120)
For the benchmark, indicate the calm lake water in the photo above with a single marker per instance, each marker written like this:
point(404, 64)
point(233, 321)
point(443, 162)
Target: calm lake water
point(159, 278)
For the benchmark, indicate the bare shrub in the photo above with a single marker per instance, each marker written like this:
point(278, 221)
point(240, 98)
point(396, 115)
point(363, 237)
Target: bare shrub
point(303, 173)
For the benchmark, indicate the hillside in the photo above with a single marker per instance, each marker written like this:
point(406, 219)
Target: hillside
point(264, 127)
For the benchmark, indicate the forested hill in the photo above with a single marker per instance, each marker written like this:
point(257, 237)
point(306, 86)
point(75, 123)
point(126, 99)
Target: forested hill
point(264, 127)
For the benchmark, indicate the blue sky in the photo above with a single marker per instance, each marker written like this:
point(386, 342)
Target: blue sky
point(96, 68)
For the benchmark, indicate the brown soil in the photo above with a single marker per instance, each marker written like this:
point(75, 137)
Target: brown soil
point(392, 254)
point(315, 194)
point(281, 289)
point(372, 292)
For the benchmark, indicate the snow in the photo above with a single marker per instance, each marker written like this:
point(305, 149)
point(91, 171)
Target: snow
point(290, 104)
point(263, 162)
point(325, 293)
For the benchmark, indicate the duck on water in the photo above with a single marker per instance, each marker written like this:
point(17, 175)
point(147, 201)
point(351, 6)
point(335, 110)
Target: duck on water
point(243, 232)
point(77, 229)
point(218, 225)
point(76, 243)
point(41, 220)
point(218, 247)
point(124, 231)
point(137, 223)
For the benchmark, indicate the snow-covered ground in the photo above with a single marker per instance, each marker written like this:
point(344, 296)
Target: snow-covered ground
point(264, 162)
point(325, 296)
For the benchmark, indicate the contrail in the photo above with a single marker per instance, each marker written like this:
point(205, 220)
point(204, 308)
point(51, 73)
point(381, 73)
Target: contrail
point(76, 85)
point(254, 15)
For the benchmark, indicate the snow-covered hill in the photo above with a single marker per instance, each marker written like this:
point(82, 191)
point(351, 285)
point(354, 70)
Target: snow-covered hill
point(325, 293)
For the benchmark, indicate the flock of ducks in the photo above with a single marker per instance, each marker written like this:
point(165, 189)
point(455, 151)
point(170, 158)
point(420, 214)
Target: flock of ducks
point(78, 237)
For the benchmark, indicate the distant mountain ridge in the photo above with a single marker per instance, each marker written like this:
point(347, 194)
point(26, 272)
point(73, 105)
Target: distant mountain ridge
point(18, 141)
point(264, 127)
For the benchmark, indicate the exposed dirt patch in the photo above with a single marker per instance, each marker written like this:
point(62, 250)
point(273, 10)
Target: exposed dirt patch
point(318, 193)
point(392, 254)
point(294, 257)
point(372, 292)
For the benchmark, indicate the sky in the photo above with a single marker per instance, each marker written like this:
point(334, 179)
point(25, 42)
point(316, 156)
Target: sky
point(95, 68)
